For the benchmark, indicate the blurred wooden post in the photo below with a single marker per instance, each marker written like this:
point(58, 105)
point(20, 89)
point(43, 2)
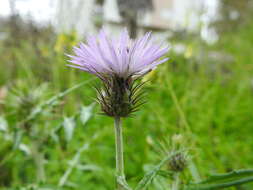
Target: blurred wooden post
point(129, 11)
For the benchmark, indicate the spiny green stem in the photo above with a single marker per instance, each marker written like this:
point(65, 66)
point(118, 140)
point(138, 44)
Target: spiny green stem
point(147, 179)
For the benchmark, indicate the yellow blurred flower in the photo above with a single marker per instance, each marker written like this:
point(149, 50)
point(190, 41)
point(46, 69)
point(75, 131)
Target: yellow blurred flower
point(65, 41)
point(189, 51)
point(45, 51)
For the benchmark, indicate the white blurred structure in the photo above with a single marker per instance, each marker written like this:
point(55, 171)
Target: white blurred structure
point(66, 15)
point(166, 14)
point(74, 15)
point(193, 15)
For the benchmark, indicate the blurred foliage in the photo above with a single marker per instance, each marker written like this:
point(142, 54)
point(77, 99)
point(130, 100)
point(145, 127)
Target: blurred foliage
point(234, 14)
point(201, 100)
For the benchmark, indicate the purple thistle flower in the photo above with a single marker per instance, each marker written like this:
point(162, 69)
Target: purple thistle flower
point(122, 57)
point(118, 62)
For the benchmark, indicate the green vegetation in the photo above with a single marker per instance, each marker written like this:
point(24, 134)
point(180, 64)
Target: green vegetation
point(201, 101)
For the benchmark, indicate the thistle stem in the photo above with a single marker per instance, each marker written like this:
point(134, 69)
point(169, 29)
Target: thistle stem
point(38, 158)
point(119, 153)
point(176, 181)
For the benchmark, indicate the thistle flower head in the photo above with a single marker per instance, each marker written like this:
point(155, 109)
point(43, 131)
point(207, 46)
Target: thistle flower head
point(118, 63)
point(178, 162)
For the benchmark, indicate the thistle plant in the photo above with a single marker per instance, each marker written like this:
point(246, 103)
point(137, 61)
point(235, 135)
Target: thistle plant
point(118, 63)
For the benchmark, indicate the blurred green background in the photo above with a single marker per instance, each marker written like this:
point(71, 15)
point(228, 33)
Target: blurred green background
point(201, 100)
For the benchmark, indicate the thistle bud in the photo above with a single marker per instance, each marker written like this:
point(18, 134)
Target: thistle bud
point(178, 162)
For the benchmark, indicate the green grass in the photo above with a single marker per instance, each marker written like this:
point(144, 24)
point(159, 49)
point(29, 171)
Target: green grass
point(208, 102)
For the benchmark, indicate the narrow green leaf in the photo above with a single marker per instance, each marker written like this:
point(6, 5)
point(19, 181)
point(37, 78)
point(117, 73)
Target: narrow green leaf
point(52, 101)
point(3, 124)
point(226, 176)
point(86, 113)
point(220, 181)
point(69, 126)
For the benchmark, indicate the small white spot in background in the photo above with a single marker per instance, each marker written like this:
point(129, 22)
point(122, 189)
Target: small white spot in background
point(234, 15)
point(179, 48)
